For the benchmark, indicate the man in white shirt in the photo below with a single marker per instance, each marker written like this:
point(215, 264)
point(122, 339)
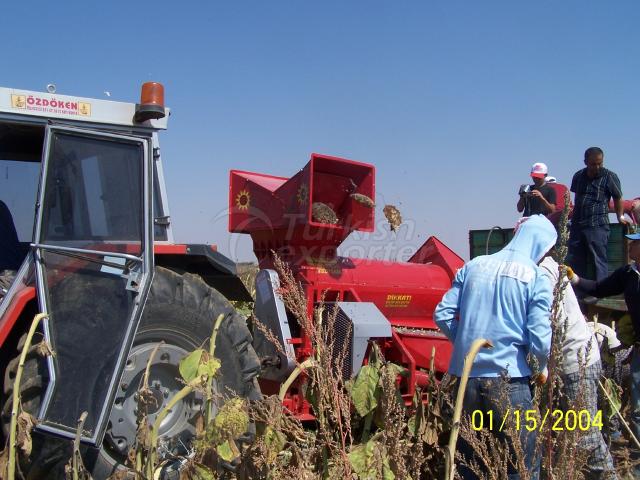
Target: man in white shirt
point(580, 348)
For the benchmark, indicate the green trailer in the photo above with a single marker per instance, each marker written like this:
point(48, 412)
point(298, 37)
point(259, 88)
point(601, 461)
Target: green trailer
point(486, 242)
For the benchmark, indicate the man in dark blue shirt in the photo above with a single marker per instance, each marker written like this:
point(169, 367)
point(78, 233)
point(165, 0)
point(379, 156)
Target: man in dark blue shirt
point(593, 186)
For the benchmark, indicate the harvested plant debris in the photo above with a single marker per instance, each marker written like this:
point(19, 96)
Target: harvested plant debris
point(363, 199)
point(393, 217)
point(323, 213)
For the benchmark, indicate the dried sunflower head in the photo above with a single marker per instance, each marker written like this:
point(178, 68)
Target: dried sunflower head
point(393, 216)
point(363, 200)
point(323, 213)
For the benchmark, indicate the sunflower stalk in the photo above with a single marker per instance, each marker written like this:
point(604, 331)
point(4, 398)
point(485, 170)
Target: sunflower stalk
point(476, 346)
point(184, 392)
point(212, 350)
point(76, 459)
point(15, 406)
point(142, 408)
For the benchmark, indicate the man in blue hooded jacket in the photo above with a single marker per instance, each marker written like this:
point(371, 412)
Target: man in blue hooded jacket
point(506, 299)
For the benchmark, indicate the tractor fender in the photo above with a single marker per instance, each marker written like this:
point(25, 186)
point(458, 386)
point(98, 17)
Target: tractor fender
point(11, 315)
point(217, 270)
point(20, 298)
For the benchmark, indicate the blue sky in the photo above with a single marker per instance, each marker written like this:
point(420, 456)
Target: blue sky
point(452, 101)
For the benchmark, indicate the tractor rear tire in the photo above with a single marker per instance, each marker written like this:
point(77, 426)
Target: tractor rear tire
point(180, 311)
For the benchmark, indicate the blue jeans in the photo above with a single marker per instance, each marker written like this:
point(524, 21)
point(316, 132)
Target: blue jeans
point(581, 390)
point(485, 394)
point(589, 240)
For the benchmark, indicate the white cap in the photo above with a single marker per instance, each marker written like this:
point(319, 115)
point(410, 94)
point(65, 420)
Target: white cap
point(539, 170)
point(551, 179)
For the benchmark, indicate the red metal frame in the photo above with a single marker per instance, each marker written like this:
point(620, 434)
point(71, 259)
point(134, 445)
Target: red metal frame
point(16, 307)
point(169, 249)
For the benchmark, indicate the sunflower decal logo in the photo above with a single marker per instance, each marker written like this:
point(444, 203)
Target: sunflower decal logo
point(243, 200)
point(303, 194)
point(18, 101)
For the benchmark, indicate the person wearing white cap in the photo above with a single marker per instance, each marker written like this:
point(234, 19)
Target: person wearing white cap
point(539, 198)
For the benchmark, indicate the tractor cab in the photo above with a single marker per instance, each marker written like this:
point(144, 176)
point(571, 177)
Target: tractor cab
point(78, 208)
point(86, 238)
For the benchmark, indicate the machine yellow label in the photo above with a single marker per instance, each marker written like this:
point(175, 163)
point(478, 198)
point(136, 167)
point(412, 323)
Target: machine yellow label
point(18, 101)
point(397, 301)
point(84, 108)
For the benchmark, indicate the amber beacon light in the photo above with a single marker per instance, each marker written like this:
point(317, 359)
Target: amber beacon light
point(151, 104)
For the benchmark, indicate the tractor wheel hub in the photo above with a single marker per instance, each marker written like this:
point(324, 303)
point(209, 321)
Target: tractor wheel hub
point(164, 382)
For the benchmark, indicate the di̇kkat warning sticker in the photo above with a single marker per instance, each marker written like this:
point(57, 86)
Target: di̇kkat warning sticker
point(397, 301)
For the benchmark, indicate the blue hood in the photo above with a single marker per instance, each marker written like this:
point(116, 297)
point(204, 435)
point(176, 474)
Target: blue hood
point(506, 299)
point(534, 237)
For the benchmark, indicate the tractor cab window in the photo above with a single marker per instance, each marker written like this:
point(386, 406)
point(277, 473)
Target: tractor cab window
point(18, 190)
point(20, 153)
point(93, 194)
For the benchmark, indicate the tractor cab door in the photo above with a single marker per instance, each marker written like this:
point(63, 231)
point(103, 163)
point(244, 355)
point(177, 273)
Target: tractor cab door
point(94, 262)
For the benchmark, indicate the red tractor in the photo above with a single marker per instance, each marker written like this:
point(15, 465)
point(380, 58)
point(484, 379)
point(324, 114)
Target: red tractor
point(100, 260)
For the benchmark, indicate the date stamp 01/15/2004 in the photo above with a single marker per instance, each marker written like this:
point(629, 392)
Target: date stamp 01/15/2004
point(559, 420)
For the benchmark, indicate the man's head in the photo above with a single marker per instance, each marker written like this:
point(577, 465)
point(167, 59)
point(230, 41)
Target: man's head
point(539, 173)
point(594, 160)
point(634, 247)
